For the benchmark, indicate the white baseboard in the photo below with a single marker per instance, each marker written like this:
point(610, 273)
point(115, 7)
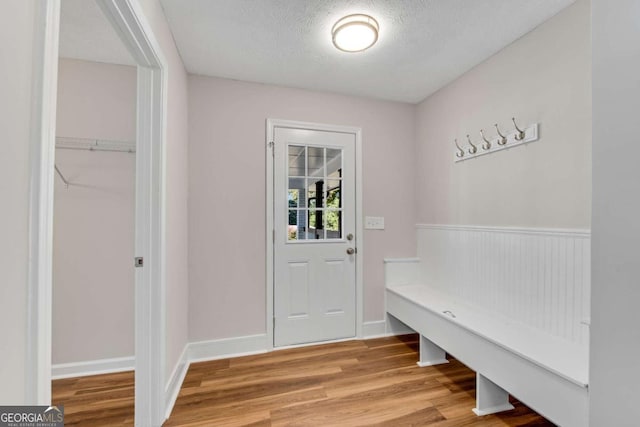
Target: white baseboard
point(92, 367)
point(174, 384)
point(375, 329)
point(227, 347)
point(385, 328)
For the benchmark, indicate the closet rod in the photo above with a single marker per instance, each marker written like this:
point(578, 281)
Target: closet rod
point(66, 143)
point(66, 183)
point(117, 150)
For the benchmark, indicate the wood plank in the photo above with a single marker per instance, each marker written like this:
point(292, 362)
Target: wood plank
point(355, 383)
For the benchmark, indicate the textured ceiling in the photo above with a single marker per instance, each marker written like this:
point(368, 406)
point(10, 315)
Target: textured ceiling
point(423, 44)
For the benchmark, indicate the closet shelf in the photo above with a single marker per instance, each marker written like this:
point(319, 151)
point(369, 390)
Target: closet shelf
point(67, 143)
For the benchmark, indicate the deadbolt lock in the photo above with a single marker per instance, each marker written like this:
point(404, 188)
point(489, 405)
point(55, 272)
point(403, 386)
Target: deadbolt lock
point(350, 236)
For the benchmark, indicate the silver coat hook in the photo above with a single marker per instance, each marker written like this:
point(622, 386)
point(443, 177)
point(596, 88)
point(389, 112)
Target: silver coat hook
point(503, 139)
point(486, 144)
point(520, 133)
point(473, 148)
point(460, 152)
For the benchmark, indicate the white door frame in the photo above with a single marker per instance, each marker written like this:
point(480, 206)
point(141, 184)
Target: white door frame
point(270, 217)
point(129, 22)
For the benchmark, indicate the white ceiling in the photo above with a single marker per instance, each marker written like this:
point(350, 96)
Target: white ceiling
point(423, 44)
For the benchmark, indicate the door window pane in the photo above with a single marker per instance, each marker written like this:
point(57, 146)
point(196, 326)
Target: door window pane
point(334, 194)
point(297, 225)
point(315, 159)
point(333, 223)
point(297, 160)
point(292, 226)
point(334, 161)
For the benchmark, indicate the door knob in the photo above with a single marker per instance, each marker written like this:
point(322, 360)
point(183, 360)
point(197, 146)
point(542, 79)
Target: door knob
point(351, 251)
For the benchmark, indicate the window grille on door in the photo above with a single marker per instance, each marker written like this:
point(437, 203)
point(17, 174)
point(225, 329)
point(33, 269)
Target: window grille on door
point(314, 193)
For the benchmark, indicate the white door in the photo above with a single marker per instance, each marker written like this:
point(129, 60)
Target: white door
point(314, 241)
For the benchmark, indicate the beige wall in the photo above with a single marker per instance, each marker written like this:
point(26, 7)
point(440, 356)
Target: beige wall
point(16, 25)
point(544, 77)
point(96, 100)
point(93, 277)
point(227, 194)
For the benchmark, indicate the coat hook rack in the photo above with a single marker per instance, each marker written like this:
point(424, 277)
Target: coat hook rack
point(486, 144)
point(502, 141)
point(472, 149)
point(460, 152)
point(520, 132)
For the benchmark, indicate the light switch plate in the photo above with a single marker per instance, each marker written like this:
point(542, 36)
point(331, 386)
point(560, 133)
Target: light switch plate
point(374, 223)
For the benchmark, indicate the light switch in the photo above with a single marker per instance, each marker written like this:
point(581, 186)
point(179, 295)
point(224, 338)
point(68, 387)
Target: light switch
point(374, 223)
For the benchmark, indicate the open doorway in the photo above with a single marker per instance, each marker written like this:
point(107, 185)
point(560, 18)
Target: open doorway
point(127, 19)
point(93, 340)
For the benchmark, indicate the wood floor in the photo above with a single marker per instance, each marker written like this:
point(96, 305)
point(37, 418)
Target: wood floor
point(97, 400)
point(354, 383)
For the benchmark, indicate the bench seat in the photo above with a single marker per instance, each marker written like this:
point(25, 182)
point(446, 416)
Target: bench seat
point(545, 372)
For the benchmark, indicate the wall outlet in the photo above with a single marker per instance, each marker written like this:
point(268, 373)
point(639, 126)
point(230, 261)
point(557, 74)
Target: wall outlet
point(374, 223)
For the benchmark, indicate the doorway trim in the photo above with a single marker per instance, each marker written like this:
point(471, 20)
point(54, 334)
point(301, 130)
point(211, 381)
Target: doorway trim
point(129, 22)
point(271, 125)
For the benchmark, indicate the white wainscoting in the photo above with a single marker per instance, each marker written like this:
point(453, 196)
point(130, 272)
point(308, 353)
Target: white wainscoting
point(538, 277)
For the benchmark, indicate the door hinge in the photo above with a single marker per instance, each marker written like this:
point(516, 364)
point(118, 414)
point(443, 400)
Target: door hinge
point(273, 235)
point(139, 261)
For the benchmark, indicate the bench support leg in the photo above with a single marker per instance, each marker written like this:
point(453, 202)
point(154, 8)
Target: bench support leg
point(490, 398)
point(431, 354)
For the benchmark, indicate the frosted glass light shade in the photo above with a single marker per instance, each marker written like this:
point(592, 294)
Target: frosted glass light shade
point(355, 33)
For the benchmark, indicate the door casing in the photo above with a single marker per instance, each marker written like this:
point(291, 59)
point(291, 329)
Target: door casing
point(271, 125)
point(129, 22)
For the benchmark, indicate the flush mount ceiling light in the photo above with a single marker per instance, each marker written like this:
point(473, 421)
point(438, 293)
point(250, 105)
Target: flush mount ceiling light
point(355, 33)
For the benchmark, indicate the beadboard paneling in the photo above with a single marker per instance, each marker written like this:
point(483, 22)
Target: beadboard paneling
point(535, 276)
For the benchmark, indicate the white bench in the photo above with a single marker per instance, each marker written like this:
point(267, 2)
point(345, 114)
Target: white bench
point(547, 373)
